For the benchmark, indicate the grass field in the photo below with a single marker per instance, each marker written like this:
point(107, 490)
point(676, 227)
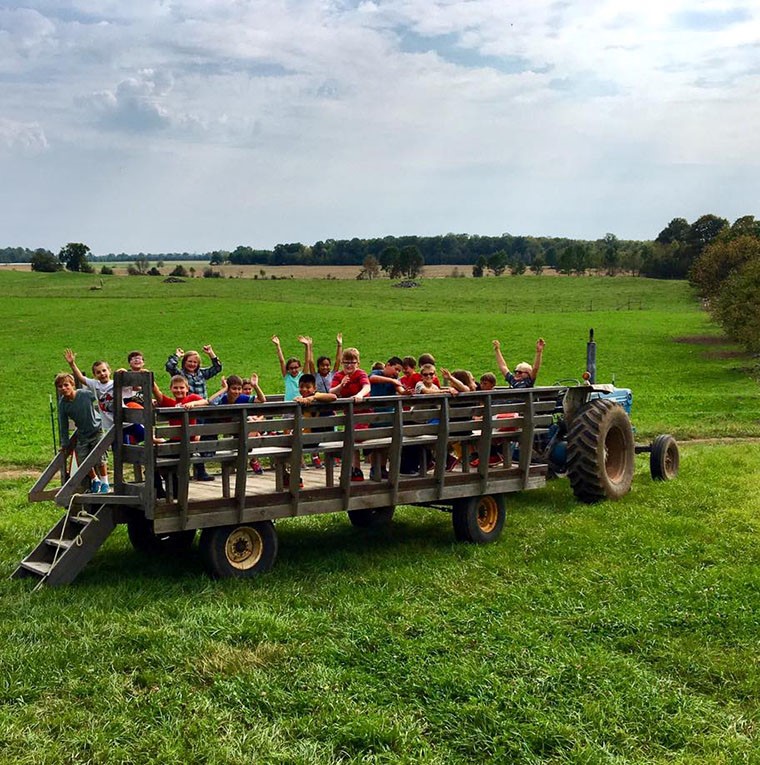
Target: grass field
point(617, 633)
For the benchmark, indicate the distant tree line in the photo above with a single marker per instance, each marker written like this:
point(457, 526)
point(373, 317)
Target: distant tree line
point(670, 256)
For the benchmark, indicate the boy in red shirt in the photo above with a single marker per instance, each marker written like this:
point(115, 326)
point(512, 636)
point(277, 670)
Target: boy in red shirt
point(352, 382)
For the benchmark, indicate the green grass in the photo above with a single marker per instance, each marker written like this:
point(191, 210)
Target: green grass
point(621, 632)
point(683, 388)
point(617, 633)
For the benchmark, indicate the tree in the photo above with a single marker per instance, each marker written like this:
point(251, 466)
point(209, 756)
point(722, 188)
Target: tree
point(179, 270)
point(537, 266)
point(676, 231)
point(479, 268)
point(142, 264)
point(370, 268)
point(74, 257)
point(721, 259)
point(497, 263)
point(610, 254)
point(517, 267)
point(44, 260)
point(737, 306)
point(388, 261)
point(411, 261)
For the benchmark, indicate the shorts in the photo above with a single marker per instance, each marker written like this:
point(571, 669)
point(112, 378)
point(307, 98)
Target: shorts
point(85, 445)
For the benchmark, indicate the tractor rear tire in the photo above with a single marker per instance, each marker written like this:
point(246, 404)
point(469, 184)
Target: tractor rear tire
point(600, 452)
point(664, 458)
point(370, 517)
point(479, 519)
point(240, 552)
point(145, 540)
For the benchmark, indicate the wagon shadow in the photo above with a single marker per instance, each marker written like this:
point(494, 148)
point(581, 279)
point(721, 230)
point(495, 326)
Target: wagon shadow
point(333, 546)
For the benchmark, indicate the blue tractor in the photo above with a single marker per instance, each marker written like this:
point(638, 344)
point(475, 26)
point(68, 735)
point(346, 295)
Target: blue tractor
point(592, 440)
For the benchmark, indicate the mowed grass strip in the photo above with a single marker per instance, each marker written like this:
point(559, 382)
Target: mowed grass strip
point(620, 632)
point(691, 389)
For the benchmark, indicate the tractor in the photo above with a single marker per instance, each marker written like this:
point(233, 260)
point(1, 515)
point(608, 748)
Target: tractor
point(591, 440)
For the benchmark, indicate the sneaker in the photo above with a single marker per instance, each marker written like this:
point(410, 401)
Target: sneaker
point(356, 474)
point(494, 459)
point(316, 462)
point(256, 466)
point(451, 462)
point(104, 488)
point(202, 475)
point(95, 486)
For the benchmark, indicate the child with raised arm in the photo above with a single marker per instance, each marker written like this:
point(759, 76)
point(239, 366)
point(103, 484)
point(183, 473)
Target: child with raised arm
point(81, 406)
point(326, 369)
point(100, 384)
point(188, 364)
point(291, 368)
point(525, 375)
point(352, 382)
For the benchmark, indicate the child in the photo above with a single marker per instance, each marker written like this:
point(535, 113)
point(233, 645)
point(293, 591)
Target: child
point(326, 369)
point(81, 407)
point(411, 377)
point(196, 376)
point(134, 395)
point(232, 392)
point(525, 375)
point(100, 384)
point(352, 382)
point(428, 358)
point(247, 386)
point(487, 381)
point(428, 384)
point(182, 398)
point(385, 382)
point(291, 369)
point(308, 393)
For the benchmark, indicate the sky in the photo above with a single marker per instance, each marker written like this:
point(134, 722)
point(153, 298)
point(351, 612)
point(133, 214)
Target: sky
point(197, 125)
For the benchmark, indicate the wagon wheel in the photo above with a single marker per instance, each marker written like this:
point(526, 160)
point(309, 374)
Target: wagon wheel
point(371, 516)
point(239, 551)
point(145, 540)
point(600, 451)
point(664, 458)
point(479, 519)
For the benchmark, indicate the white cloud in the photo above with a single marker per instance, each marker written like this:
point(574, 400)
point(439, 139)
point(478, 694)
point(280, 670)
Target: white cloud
point(28, 138)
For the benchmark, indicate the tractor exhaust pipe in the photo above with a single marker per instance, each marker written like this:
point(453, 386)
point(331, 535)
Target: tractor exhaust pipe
point(591, 357)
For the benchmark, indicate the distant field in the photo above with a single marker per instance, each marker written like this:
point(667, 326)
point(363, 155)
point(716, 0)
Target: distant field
point(249, 272)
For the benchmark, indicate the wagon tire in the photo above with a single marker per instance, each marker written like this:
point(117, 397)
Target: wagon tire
point(144, 539)
point(664, 459)
point(600, 452)
point(479, 519)
point(370, 517)
point(241, 551)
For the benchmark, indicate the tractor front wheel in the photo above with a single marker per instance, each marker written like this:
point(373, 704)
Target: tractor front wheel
point(600, 452)
point(664, 458)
